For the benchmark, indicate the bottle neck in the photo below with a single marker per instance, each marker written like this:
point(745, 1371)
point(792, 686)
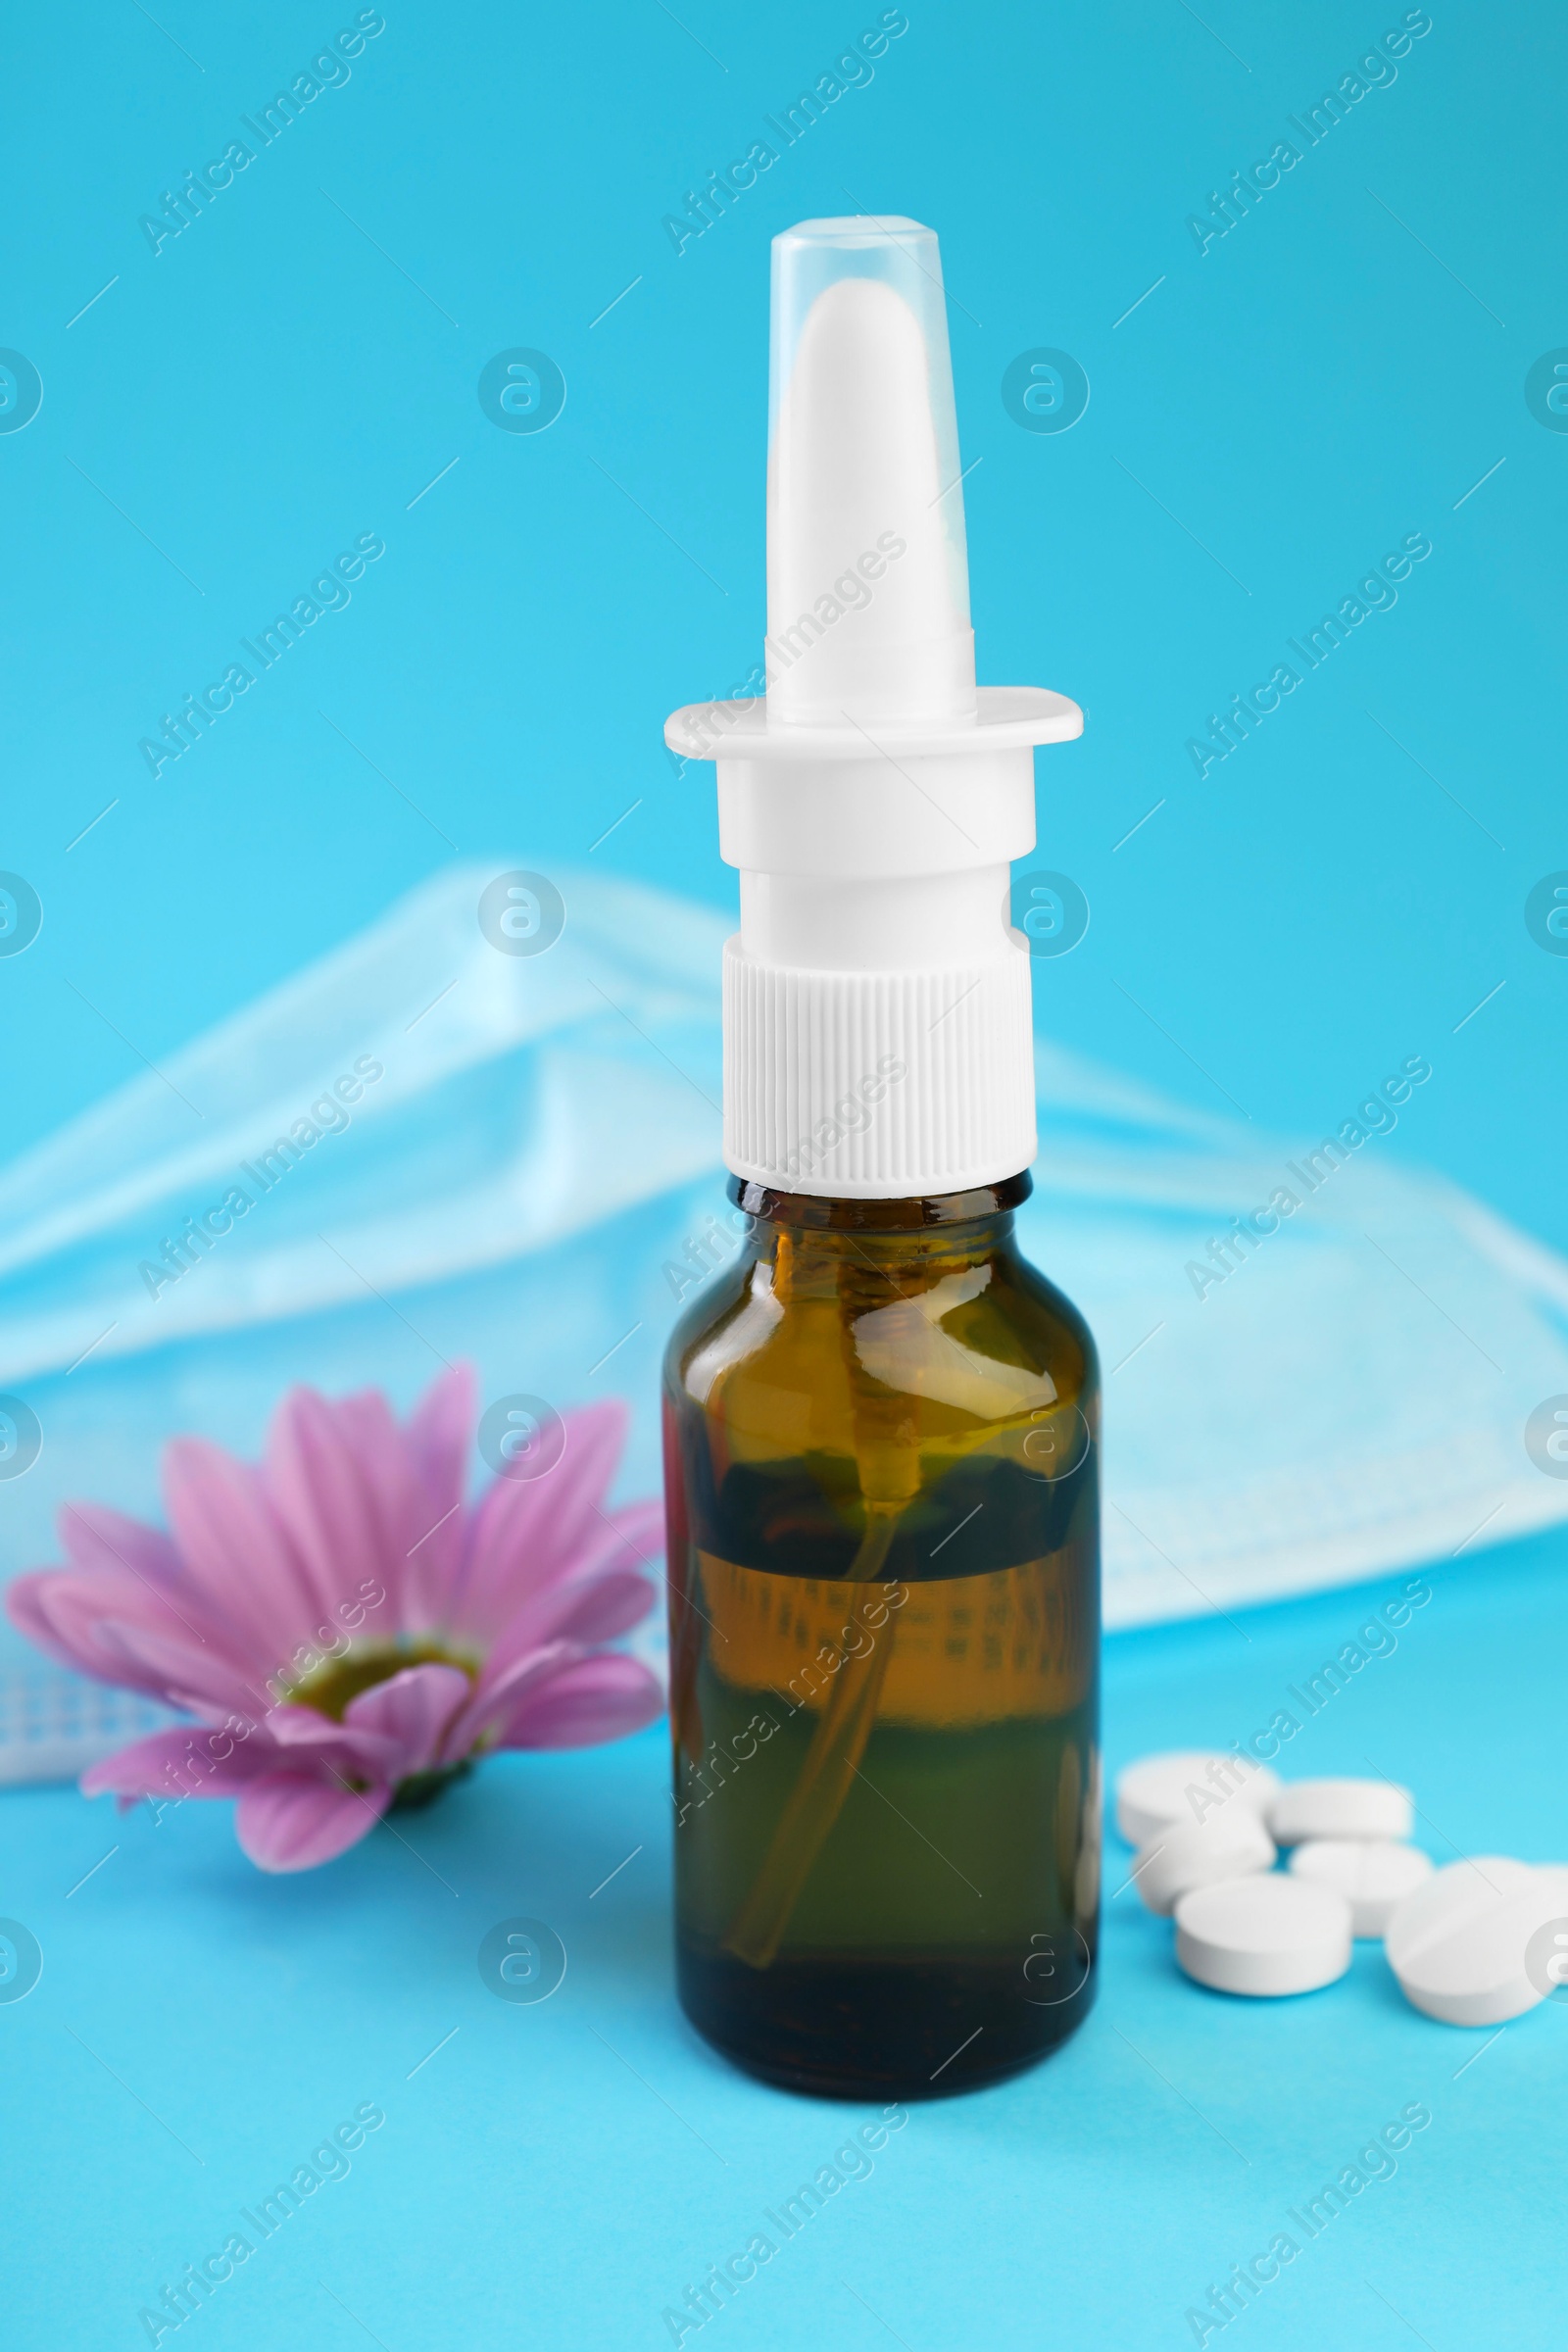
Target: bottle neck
point(950, 1227)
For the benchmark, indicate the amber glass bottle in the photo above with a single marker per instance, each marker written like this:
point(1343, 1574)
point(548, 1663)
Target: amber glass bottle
point(881, 1463)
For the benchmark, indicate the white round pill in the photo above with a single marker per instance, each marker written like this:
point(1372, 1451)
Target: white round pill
point(1341, 1809)
point(1185, 1786)
point(1466, 1946)
point(1373, 1873)
point(1265, 1936)
point(1185, 1854)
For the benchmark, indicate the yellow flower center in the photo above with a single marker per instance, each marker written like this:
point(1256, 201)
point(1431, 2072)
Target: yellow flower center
point(332, 1686)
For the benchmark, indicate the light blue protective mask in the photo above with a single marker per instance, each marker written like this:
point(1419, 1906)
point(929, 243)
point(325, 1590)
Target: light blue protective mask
point(533, 1181)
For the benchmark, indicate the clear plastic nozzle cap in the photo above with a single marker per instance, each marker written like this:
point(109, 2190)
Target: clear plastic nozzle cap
point(868, 568)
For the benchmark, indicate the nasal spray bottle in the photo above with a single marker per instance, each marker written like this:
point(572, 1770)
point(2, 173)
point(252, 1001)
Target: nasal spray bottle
point(881, 1424)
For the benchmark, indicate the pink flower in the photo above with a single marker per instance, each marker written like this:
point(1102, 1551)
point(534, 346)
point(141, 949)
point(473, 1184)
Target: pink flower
point(347, 1631)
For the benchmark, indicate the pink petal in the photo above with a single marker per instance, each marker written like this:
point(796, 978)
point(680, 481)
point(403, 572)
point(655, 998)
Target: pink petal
point(635, 1536)
point(588, 1606)
point(236, 1555)
point(95, 1536)
point(292, 1821)
point(172, 1665)
point(597, 1597)
point(109, 1627)
point(26, 1606)
point(600, 1698)
point(369, 1428)
point(395, 1493)
point(526, 1529)
point(497, 1695)
point(185, 1760)
point(411, 1712)
point(326, 1500)
point(439, 1433)
point(314, 1742)
point(241, 1721)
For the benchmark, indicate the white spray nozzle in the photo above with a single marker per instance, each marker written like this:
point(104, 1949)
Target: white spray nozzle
point(876, 997)
point(867, 572)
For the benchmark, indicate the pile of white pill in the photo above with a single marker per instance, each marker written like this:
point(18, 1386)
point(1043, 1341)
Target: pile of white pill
point(1474, 1944)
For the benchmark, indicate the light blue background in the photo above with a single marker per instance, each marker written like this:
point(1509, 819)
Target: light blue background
point(528, 2189)
point(1277, 414)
